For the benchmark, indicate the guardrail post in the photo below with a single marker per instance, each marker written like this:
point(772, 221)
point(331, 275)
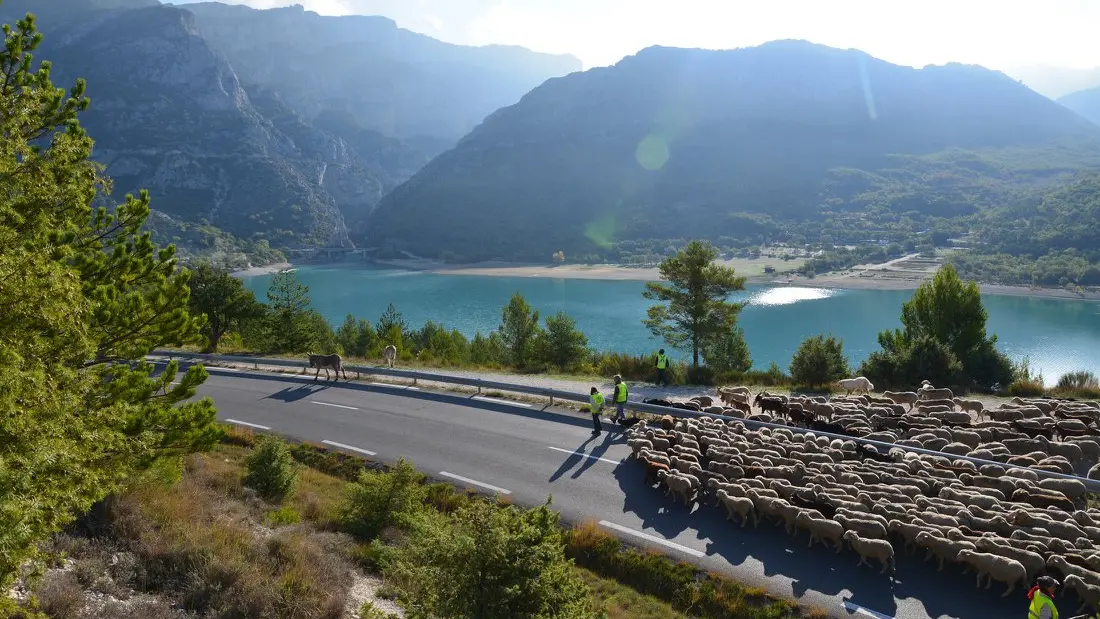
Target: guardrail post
point(551, 400)
point(479, 389)
point(414, 381)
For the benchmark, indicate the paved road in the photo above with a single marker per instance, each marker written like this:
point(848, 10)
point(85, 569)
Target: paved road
point(530, 453)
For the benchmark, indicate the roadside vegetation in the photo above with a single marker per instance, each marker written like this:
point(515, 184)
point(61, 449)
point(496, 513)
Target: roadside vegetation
point(351, 536)
point(943, 338)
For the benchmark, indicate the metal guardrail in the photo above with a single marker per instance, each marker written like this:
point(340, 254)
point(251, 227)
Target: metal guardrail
point(415, 375)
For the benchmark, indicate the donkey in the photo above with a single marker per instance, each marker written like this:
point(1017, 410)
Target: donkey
point(325, 362)
point(389, 354)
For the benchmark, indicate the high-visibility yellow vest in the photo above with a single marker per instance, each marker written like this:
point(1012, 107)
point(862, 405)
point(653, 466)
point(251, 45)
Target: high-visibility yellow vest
point(662, 362)
point(1038, 601)
point(597, 402)
point(620, 392)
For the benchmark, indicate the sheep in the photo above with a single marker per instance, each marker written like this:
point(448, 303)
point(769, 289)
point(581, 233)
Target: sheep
point(975, 406)
point(742, 506)
point(1043, 499)
point(902, 397)
point(859, 384)
point(389, 355)
point(1072, 488)
point(821, 530)
point(871, 548)
point(1067, 569)
point(1088, 593)
point(678, 485)
point(867, 528)
point(996, 567)
point(1033, 562)
point(927, 392)
point(941, 547)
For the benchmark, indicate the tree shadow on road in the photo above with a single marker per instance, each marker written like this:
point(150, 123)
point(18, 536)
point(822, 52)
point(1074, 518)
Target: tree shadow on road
point(295, 394)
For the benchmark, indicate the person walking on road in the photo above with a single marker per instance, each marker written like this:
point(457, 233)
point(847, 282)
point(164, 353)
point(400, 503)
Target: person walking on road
point(596, 407)
point(620, 399)
point(1042, 599)
point(662, 368)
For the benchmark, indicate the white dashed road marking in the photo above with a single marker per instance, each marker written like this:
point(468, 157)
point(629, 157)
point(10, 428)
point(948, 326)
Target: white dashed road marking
point(581, 453)
point(349, 447)
point(352, 408)
point(859, 610)
point(653, 538)
point(245, 423)
point(499, 401)
point(474, 482)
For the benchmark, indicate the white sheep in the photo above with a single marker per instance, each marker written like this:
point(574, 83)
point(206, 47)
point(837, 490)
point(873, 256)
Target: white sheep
point(969, 405)
point(821, 529)
point(871, 549)
point(1033, 562)
point(941, 547)
point(996, 567)
point(678, 485)
point(868, 529)
point(859, 384)
point(1089, 593)
point(742, 506)
point(389, 355)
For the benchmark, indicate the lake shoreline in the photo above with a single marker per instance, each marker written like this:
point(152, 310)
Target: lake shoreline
point(613, 272)
point(267, 269)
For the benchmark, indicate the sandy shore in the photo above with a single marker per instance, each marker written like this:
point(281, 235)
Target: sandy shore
point(264, 270)
point(618, 272)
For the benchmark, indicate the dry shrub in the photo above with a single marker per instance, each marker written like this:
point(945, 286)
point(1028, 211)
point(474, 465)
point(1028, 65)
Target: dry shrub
point(194, 542)
point(60, 595)
point(145, 609)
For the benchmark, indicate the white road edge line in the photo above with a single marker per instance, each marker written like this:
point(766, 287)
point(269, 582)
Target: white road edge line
point(215, 367)
point(499, 401)
point(581, 453)
point(653, 538)
point(245, 423)
point(349, 447)
point(475, 482)
point(334, 405)
point(856, 608)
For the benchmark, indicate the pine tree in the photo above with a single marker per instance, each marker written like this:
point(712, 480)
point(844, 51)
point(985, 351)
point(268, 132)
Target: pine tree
point(85, 295)
point(223, 300)
point(518, 329)
point(697, 293)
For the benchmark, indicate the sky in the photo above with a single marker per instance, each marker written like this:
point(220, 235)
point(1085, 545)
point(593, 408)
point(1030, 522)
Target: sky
point(1007, 35)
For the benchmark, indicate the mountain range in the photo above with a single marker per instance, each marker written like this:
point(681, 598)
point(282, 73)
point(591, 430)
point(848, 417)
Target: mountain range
point(685, 143)
point(1084, 102)
point(279, 127)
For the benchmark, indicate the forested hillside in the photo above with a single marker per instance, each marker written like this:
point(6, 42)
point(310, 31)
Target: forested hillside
point(788, 138)
point(238, 157)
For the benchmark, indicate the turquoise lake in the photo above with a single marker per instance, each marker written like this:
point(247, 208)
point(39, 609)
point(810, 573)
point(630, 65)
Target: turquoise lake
point(1057, 335)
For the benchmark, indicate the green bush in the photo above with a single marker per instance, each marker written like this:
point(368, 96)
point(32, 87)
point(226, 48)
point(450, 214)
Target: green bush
point(1026, 388)
point(728, 353)
point(561, 344)
point(489, 562)
point(635, 367)
point(1079, 381)
point(282, 517)
point(819, 361)
point(333, 463)
point(772, 377)
point(270, 469)
point(379, 500)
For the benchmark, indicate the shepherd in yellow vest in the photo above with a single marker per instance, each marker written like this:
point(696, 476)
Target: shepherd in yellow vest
point(1042, 599)
point(662, 368)
point(595, 407)
point(620, 399)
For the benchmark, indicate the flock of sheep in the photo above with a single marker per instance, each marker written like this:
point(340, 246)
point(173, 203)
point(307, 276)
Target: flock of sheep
point(1007, 523)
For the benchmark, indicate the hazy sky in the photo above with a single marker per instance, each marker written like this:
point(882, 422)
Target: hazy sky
point(1000, 34)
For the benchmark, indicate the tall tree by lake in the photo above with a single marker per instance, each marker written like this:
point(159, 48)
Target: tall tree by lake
point(695, 305)
point(86, 295)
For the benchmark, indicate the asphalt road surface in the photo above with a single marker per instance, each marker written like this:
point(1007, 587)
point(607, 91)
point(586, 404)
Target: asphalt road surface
point(530, 452)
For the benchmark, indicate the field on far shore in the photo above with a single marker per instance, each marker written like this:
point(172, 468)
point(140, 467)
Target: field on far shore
point(904, 273)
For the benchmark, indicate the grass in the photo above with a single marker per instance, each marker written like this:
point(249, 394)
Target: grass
point(621, 602)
